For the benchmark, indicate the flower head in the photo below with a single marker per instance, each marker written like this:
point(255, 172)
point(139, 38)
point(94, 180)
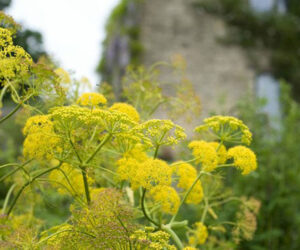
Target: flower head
point(221, 152)
point(167, 197)
point(162, 132)
point(91, 99)
point(227, 128)
point(205, 154)
point(147, 174)
point(126, 109)
point(187, 175)
point(199, 235)
point(243, 158)
point(15, 62)
point(41, 142)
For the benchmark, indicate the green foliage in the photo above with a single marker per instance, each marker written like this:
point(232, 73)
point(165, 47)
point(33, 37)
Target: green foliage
point(277, 182)
point(276, 33)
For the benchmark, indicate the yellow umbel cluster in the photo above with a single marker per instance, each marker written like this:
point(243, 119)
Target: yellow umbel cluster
point(199, 235)
point(243, 158)
point(227, 129)
point(205, 154)
point(126, 109)
point(41, 142)
point(91, 99)
point(162, 132)
point(187, 175)
point(15, 62)
point(167, 197)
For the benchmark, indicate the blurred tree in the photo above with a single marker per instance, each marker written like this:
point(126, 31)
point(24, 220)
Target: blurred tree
point(4, 4)
point(293, 6)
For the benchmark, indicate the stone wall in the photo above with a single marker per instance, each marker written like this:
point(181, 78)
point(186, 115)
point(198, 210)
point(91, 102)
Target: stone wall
point(220, 73)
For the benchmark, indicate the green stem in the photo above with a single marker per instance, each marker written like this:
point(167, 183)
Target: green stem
point(27, 184)
point(185, 197)
point(11, 113)
point(174, 236)
point(205, 210)
point(73, 147)
point(144, 209)
point(86, 185)
point(8, 197)
point(15, 170)
point(156, 152)
point(98, 148)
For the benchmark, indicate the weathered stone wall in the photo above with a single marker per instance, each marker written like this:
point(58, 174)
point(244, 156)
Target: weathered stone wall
point(218, 72)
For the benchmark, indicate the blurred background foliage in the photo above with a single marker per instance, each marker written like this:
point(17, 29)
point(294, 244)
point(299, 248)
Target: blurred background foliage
point(277, 181)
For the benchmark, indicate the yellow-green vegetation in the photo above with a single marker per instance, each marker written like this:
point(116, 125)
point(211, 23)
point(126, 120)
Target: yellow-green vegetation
point(104, 157)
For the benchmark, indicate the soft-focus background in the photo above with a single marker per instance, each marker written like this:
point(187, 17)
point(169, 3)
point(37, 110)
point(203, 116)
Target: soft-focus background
point(243, 58)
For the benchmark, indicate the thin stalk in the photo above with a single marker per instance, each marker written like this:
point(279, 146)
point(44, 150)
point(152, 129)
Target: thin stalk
point(156, 152)
point(69, 182)
point(27, 184)
point(206, 207)
point(7, 197)
point(86, 185)
point(15, 170)
point(98, 148)
point(74, 149)
point(62, 231)
point(83, 167)
point(185, 197)
point(9, 165)
point(189, 161)
point(144, 209)
point(174, 236)
point(225, 201)
point(11, 113)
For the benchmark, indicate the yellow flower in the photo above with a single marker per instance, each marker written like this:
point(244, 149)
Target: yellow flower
point(227, 128)
point(205, 154)
point(91, 99)
point(199, 235)
point(147, 174)
point(152, 172)
point(167, 197)
point(95, 192)
point(59, 181)
point(126, 109)
point(41, 142)
point(221, 152)
point(243, 158)
point(187, 175)
point(162, 132)
point(15, 62)
point(196, 195)
point(189, 248)
point(63, 75)
point(137, 152)
point(127, 168)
